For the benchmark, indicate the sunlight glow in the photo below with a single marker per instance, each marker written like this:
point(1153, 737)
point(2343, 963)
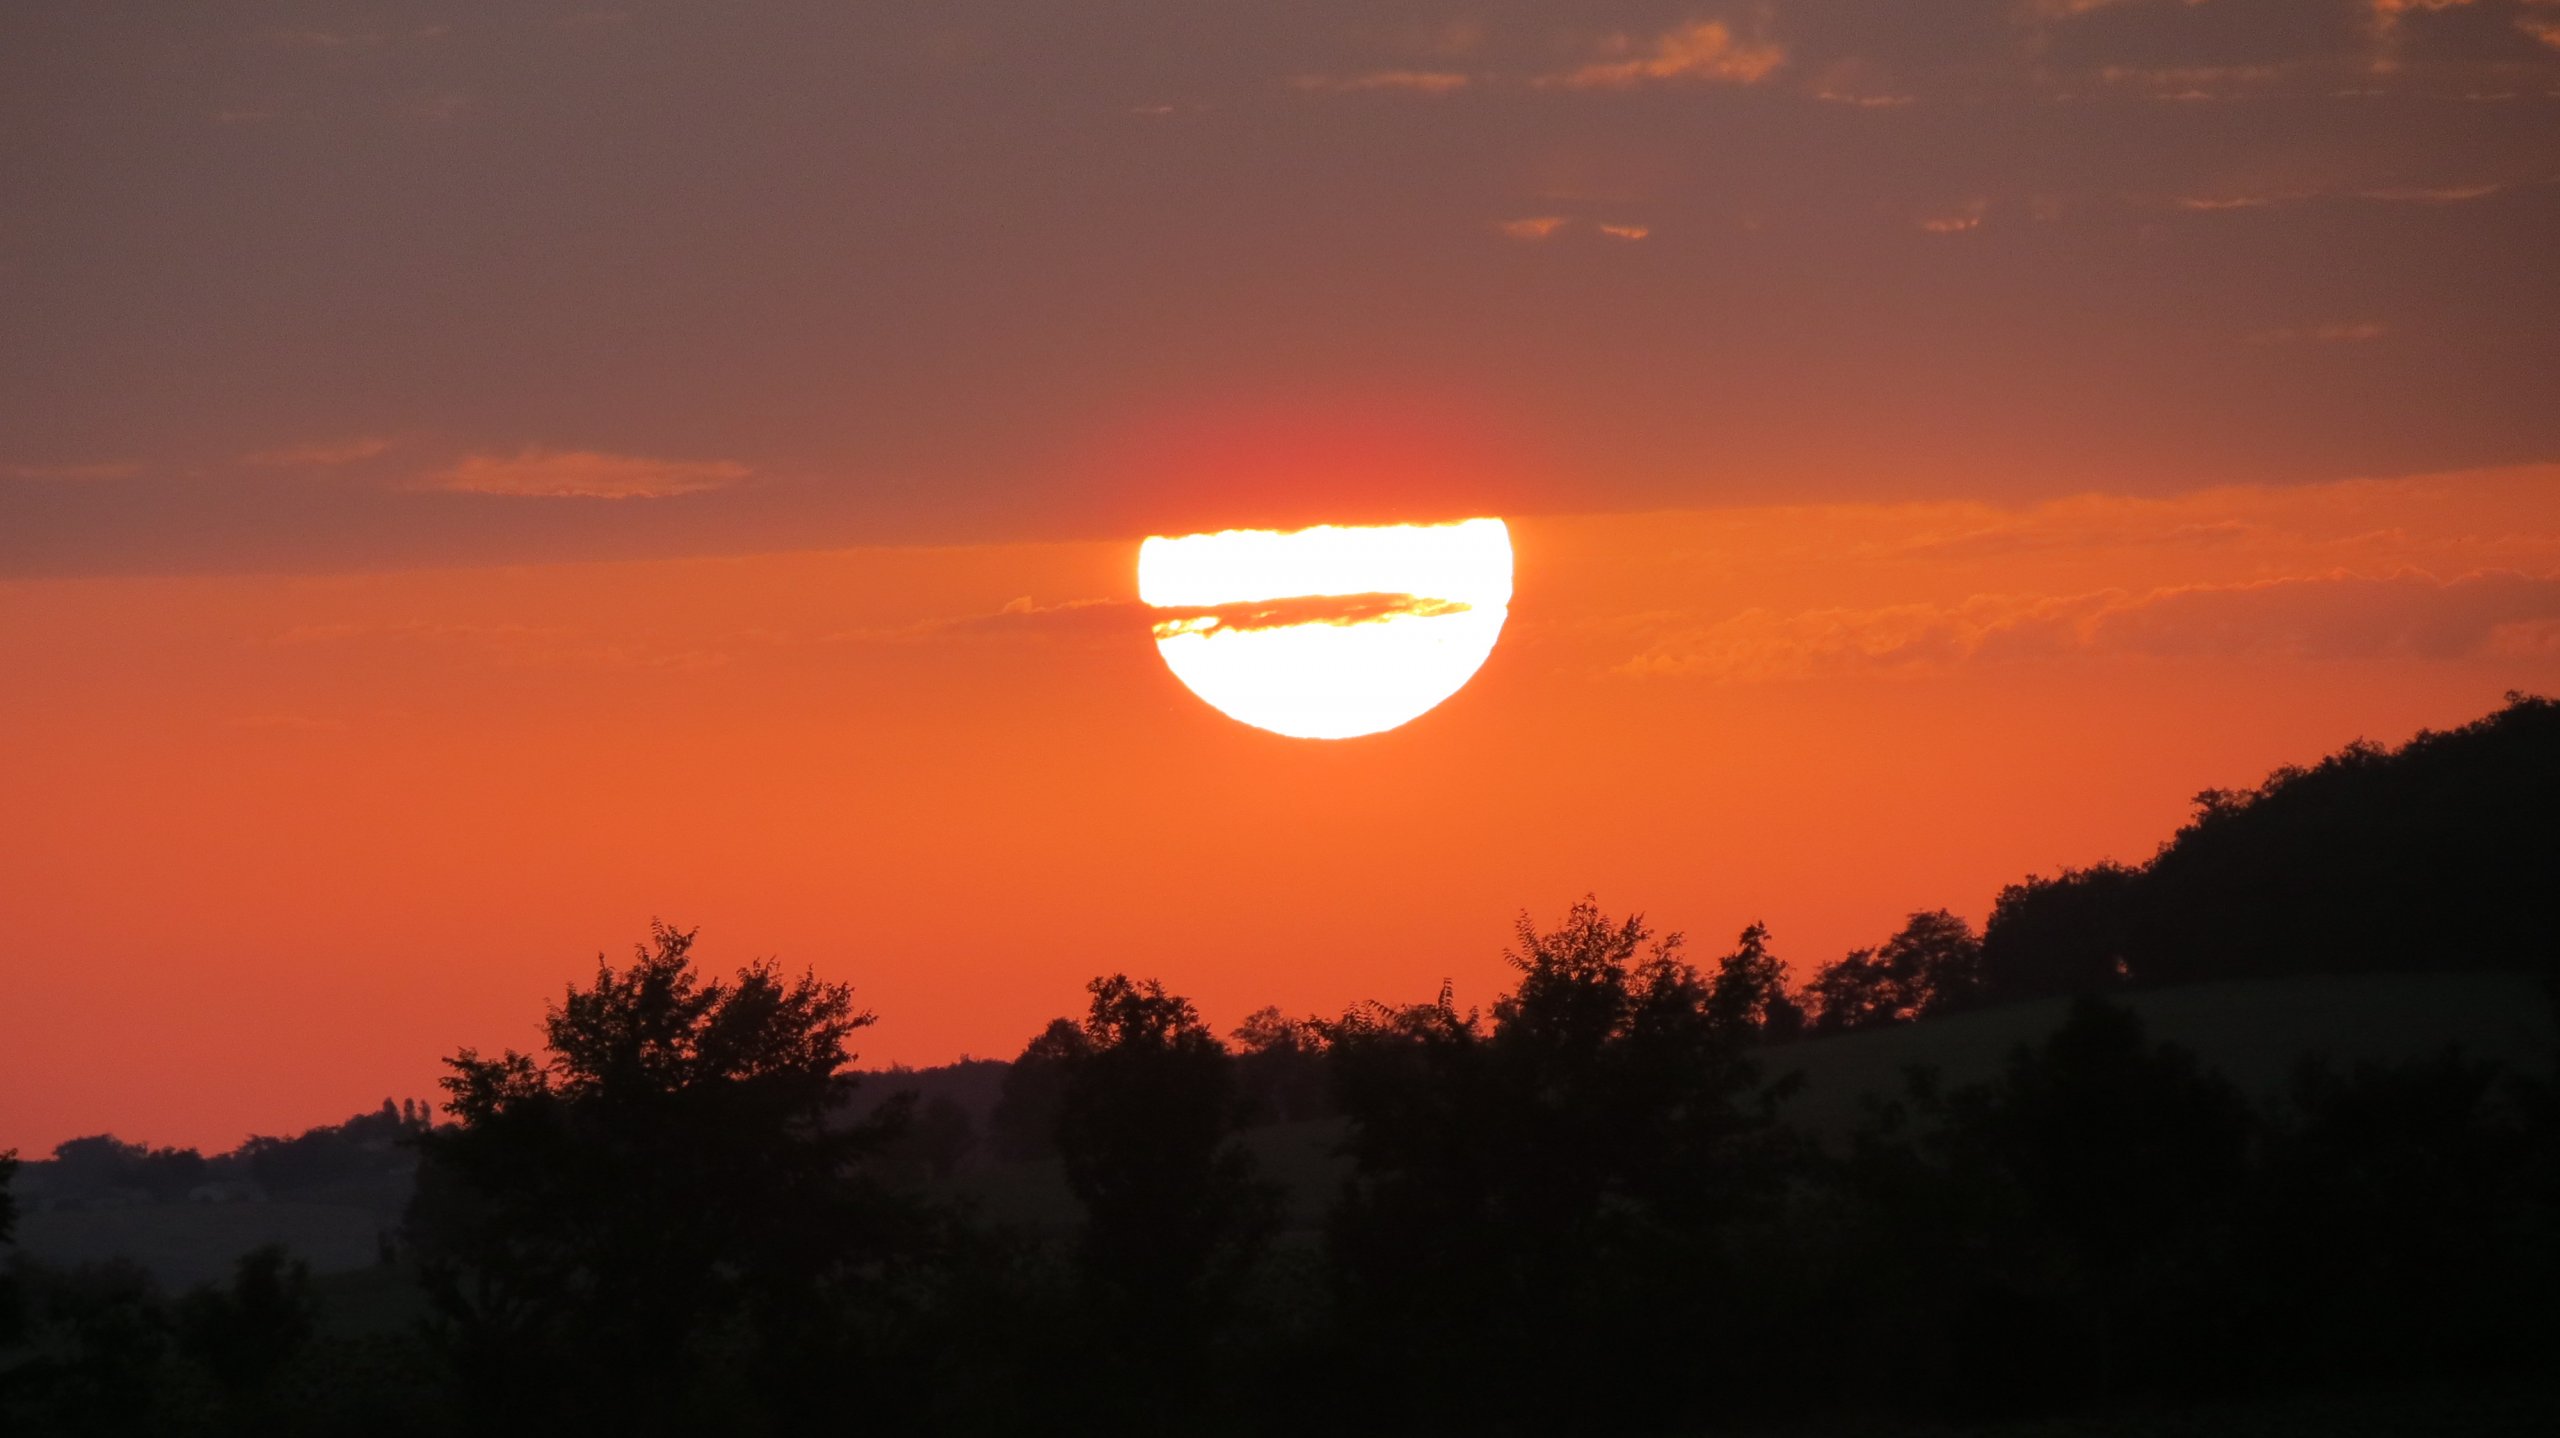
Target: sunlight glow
point(1331, 632)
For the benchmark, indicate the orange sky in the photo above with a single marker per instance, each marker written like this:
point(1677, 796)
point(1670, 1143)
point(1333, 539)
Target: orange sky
point(475, 478)
point(277, 843)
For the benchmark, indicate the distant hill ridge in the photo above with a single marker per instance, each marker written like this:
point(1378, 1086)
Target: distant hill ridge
point(2440, 855)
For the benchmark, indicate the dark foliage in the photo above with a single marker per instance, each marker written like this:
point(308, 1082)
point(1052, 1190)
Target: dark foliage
point(663, 1208)
point(1749, 990)
point(1280, 1066)
point(1932, 966)
point(2409, 1223)
point(934, 1139)
point(1132, 1322)
point(1147, 1118)
point(96, 1338)
point(104, 1353)
point(1025, 1122)
point(2106, 1222)
point(12, 1318)
point(1566, 1180)
point(953, 1103)
point(2436, 855)
point(102, 1165)
point(339, 1161)
point(2066, 935)
point(246, 1333)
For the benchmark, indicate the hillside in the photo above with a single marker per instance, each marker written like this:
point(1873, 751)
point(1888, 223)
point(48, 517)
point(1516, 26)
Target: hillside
point(2438, 855)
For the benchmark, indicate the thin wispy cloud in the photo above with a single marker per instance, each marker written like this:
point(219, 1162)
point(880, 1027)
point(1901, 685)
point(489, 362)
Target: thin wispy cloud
point(585, 474)
point(2404, 615)
point(2389, 12)
point(2211, 204)
point(2445, 194)
point(1415, 82)
point(2429, 194)
point(1701, 51)
point(1533, 229)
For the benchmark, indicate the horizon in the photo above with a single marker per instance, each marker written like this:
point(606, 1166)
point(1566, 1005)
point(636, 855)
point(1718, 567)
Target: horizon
point(473, 483)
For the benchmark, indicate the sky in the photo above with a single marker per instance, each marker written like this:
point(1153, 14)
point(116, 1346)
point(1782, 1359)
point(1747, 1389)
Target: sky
point(473, 481)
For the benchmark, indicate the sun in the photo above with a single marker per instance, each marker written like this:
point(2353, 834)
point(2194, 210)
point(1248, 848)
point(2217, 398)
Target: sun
point(1331, 632)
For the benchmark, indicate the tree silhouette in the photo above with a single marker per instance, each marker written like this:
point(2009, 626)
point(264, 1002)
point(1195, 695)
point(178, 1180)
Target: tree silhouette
point(11, 1319)
point(1024, 1122)
point(1563, 1181)
point(1280, 1064)
point(102, 1164)
point(2066, 935)
point(100, 1340)
point(936, 1138)
point(2062, 1232)
point(2437, 1174)
point(670, 1176)
point(1932, 965)
point(245, 1333)
point(1749, 989)
point(1146, 1124)
point(328, 1160)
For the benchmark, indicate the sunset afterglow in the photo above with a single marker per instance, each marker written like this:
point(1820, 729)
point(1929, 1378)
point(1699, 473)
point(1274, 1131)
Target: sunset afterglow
point(1639, 717)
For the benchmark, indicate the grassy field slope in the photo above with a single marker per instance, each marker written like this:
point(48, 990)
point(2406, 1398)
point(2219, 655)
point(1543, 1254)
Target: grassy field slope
point(2257, 1032)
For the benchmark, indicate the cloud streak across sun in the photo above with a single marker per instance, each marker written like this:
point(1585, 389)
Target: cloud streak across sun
point(1332, 632)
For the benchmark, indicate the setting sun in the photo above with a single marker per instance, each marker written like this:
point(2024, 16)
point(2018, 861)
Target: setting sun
point(1999, 879)
point(1331, 632)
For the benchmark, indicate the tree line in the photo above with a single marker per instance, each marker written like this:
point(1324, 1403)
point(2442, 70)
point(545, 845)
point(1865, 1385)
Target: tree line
point(1581, 1208)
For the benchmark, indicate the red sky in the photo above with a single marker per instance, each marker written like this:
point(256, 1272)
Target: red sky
point(472, 482)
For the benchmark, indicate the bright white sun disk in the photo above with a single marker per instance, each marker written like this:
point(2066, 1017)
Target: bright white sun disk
point(1249, 627)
